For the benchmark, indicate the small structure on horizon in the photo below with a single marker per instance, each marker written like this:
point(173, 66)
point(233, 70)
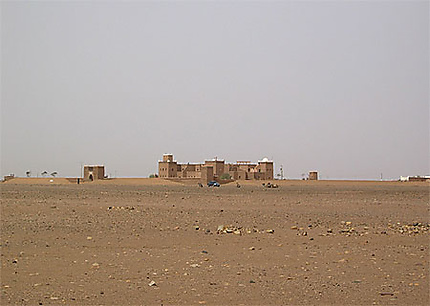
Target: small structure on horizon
point(8, 177)
point(93, 172)
point(415, 178)
point(313, 175)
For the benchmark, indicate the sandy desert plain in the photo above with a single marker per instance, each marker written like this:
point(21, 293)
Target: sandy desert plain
point(156, 242)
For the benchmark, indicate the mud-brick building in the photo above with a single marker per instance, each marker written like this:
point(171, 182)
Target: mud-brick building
point(169, 168)
point(214, 169)
point(313, 175)
point(94, 172)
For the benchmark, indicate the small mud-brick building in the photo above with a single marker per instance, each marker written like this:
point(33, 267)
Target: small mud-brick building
point(92, 173)
point(313, 175)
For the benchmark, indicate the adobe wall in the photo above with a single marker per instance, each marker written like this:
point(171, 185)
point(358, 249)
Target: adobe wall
point(207, 174)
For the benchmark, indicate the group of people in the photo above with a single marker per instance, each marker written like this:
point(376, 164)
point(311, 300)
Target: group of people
point(270, 185)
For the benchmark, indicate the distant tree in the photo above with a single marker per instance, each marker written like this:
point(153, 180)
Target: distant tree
point(28, 173)
point(54, 173)
point(153, 175)
point(225, 176)
point(44, 173)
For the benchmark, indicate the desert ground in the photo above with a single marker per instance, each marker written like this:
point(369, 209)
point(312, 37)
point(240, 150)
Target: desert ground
point(155, 242)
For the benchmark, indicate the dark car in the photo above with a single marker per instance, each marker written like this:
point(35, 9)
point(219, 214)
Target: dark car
point(213, 184)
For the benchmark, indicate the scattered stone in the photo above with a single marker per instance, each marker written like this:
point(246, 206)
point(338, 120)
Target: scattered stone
point(152, 284)
point(239, 230)
point(121, 207)
point(414, 228)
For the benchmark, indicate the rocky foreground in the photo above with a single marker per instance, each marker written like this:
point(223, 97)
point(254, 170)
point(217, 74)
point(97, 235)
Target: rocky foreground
point(302, 243)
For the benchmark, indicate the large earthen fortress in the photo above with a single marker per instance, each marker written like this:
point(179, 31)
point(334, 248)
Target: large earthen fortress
point(215, 168)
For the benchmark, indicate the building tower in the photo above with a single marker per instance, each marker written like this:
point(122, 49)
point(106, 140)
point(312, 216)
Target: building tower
point(167, 168)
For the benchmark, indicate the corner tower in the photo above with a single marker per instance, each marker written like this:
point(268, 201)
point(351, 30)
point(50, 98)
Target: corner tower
point(167, 167)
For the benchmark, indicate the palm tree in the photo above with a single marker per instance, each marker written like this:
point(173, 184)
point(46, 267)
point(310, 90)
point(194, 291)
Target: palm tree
point(44, 173)
point(28, 173)
point(53, 174)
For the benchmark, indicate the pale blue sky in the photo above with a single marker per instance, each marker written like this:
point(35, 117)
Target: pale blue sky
point(341, 87)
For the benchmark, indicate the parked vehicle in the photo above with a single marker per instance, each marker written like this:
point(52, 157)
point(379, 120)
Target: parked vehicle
point(213, 184)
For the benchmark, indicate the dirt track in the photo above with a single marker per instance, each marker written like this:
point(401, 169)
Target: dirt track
point(332, 243)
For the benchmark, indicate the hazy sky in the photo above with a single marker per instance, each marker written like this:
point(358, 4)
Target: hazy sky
point(341, 87)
